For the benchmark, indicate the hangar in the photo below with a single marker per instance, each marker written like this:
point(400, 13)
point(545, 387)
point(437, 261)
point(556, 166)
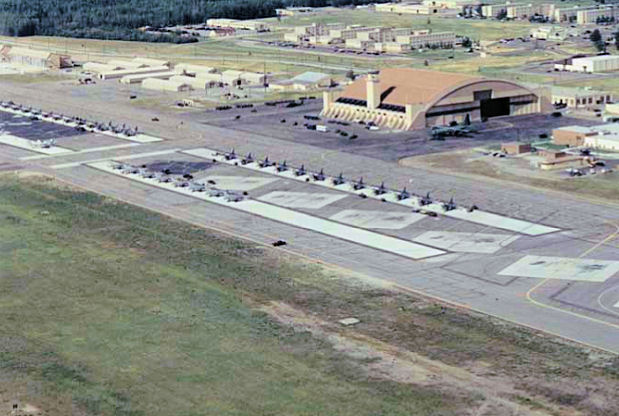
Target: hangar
point(403, 98)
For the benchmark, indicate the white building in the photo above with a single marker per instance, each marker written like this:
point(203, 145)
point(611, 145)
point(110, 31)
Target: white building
point(165, 85)
point(591, 64)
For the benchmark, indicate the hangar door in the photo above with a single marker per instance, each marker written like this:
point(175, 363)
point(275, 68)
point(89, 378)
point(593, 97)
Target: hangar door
point(494, 107)
point(491, 107)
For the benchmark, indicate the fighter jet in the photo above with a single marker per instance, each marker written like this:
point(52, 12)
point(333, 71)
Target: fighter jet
point(145, 173)
point(282, 167)
point(339, 180)
point(247, 159)
point(216, 193)
point(162, 177)
point(320, 176)
point(449, 206)
point(425, 200)
point(44, 144)
point(440, 132)
point(403, 195)
point(381, 189)
point(301, 171)
point(120, 166)
point(266, 163)
point(233, 197)
point(181, 184)
point(231, 155)
point(197, 187)
point(130, 170)
point(358, 185)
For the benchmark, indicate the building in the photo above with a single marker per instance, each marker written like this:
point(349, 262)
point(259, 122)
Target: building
point(19, 56)
point(590, 64)
point(192, 69)
point(99, 67)
point(403, 98)
point(255, 25)
point(603, 136)
point(151, 62)
point(303, 82)
point(195, 82)
point(593, 16)
point(580, 97)
point(165, 85)
point(515, 148)
point(124, 64)
point(572, 136)
point(373, 39)
point(124, 72)
point(137, 78)
point(425, 8)
point(561, 160)
point(553, 33)
point(233, 77)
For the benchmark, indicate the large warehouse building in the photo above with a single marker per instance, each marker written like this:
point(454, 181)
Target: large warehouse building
point(403, 98)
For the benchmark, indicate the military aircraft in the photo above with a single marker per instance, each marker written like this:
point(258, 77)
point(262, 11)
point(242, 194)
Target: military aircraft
point(120, 166)
point(444, 131)
point(146, 173)
point(403, 195)
point(381, 189)
point(197, 187)
point(44, 144)
point(425, 200)
point(472, 208)
point(301, 171)
point(339, 180)
point(358, 185)
point(181, 184)
point(266, 163)
point(130, 170)
point(231, 155)
point(233, 197)
point(216, 193)
point(320, 176)
point(282, 167)
point(247, 159)
point(449, 206)
point(162, 177)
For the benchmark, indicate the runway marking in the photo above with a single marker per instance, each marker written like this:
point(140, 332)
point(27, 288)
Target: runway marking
point(297, 219)
point(92, 149)
point(529, 293)
point(477, 216)
point(127, 157)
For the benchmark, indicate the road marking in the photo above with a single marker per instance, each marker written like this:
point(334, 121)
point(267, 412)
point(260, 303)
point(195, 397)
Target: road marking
point(127, 157)
point(93, 149)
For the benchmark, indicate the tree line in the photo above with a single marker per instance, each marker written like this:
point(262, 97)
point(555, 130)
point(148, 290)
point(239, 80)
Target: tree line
point(120, 19)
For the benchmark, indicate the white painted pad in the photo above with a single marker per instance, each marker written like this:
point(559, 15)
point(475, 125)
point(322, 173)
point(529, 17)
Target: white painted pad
point(562, 268)
point(499, 221)
point(300, 199)
point(31, 145)
point(616, 305)
point(119, 158)
point(466, 242)
point(377, 219)
point(297, 219)
point(90, 150)
point(138, 138)
point(477, 216)
point(238, 183)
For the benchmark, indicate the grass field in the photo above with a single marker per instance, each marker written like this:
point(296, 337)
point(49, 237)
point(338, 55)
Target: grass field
point(124, 312)
point(129, 322)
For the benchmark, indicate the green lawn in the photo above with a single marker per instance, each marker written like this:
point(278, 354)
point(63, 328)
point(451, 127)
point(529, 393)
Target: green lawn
point(112, 306)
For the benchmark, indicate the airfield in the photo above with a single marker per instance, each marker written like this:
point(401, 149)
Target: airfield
point(544, 260)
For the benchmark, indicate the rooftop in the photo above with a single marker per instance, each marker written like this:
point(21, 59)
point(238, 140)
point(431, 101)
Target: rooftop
point(310, 77)
point(402, 86)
